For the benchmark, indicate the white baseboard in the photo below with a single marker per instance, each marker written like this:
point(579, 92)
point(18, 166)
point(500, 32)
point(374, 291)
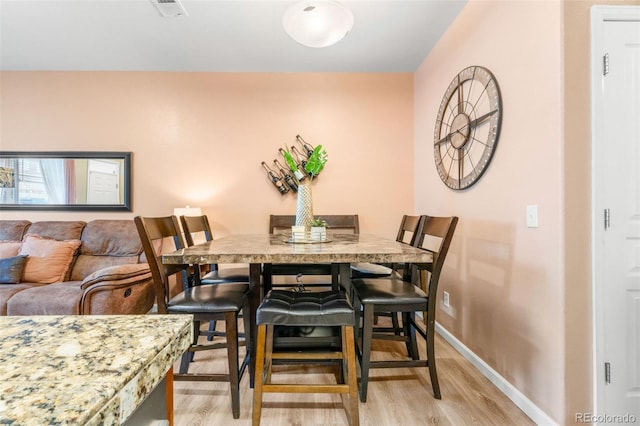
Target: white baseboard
point(529, 408)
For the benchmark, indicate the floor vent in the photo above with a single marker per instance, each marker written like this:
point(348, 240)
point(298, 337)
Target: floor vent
point(169, 8)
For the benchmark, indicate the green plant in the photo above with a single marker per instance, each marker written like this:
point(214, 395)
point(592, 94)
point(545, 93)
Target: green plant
point(315, 162)
point(288, 158)
point(317, 222)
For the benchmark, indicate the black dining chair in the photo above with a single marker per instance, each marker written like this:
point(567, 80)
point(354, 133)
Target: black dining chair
point(197, 228)
point(380, 295)
point(407, 234)
point(282, 224)
point(205, 302)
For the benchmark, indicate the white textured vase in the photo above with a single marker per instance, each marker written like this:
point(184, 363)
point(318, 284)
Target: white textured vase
point(304, 207)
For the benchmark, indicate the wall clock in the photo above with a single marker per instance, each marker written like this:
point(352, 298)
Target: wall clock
point(467, 127)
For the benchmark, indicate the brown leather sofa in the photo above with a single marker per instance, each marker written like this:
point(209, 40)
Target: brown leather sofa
point(108, 273)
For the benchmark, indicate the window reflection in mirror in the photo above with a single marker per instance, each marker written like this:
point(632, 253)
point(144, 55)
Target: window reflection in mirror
point(65, 180)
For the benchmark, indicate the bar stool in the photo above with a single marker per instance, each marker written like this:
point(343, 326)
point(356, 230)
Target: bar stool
point(304, 309)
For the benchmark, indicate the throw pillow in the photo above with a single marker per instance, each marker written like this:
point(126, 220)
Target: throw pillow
point(11, 269)
point(49, 260)
point(9, 248)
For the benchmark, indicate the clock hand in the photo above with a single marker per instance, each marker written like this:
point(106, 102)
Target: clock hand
point(482, 118)
point(445, 139)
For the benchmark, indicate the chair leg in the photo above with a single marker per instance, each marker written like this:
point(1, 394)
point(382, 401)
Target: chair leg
point(367, 335)
point(349, 358)
point(357, 314)
point(231, 332)
point(431, 359)
point(187, 357)
point(269, 353)
point(408, 324)
point(395, 324)
point(212, 328)
point(248, 338)
point(259, 375)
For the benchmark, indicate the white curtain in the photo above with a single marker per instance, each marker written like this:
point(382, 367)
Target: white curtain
point(53, 174)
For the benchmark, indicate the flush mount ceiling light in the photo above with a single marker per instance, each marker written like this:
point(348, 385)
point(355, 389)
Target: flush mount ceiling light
point(317, 23)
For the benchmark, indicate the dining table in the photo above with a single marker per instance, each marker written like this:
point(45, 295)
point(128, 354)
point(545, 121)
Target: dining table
point(338, 249)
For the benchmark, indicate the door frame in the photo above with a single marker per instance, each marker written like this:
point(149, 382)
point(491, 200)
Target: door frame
point(599, 15)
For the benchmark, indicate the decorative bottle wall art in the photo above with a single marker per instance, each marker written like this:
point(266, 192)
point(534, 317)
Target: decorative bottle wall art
point(297, 165)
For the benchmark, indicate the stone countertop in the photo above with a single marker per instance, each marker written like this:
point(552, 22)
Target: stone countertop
point(84, 370)
point(276, 248)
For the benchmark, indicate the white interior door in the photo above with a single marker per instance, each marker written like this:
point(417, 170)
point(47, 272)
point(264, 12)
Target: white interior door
point(616, 185)
point(103, 186)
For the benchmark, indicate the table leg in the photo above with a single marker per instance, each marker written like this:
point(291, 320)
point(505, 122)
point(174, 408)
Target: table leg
point(345, 278)
point(335, 276)
point(255, 274)
point(267, 277)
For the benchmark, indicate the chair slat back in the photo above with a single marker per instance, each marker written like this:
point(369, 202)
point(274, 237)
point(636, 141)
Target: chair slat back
point(409, 229)
point(193, 225)
point(150, 230)
point(435, 236)
point(349, 222)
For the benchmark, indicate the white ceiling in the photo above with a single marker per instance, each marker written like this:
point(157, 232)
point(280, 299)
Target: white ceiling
point(217, 35)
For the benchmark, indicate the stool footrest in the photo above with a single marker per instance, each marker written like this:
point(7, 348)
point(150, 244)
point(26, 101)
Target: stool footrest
point(192, 377)
point(293, 388)
point(307, 355)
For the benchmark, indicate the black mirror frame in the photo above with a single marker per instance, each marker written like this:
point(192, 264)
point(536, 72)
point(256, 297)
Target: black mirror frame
point(126, 156)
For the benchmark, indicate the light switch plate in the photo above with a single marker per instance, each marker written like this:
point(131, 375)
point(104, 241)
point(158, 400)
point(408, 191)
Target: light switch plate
point(532, 216)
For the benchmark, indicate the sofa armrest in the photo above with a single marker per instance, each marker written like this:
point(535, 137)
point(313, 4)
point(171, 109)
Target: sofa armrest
point(117, 273)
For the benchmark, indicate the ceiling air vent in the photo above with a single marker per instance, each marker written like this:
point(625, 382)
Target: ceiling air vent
point(169, 8)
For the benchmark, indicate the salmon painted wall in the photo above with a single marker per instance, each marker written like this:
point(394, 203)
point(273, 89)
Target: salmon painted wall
point(199, 138)
point(505, 280)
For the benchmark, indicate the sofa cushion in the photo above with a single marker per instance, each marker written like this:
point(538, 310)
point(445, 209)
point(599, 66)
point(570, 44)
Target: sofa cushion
point(11, 269)
point(49, 260)
point(57, 229)
point(7, 292)
point(111, 238)
point(9, 248)
point(53, 299)
point(13, 229)
point(106, 243)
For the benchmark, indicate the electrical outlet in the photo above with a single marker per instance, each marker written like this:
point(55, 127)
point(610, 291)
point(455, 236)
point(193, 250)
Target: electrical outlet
point(445, 299)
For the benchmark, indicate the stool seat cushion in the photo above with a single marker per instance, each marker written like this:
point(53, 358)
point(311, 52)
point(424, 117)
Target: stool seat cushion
point(210, 299)
point(371, 269)
point(323, 308)
point(388, 292)
point(226, 275)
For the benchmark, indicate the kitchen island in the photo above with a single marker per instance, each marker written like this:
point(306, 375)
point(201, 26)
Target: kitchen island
point(89, 370)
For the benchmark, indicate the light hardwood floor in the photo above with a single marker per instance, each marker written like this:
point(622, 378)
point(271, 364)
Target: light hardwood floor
point(395, 397)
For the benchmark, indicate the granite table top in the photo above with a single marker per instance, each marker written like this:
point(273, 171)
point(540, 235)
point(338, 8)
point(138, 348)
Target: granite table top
point(84, 370)
point(276, 248)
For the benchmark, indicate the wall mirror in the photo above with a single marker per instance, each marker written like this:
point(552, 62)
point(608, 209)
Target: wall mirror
point(98, 181)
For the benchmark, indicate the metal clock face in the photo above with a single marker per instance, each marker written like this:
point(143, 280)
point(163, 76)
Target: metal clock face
point(467, 127)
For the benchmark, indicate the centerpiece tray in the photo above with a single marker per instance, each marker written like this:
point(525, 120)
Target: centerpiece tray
point(290, 240)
